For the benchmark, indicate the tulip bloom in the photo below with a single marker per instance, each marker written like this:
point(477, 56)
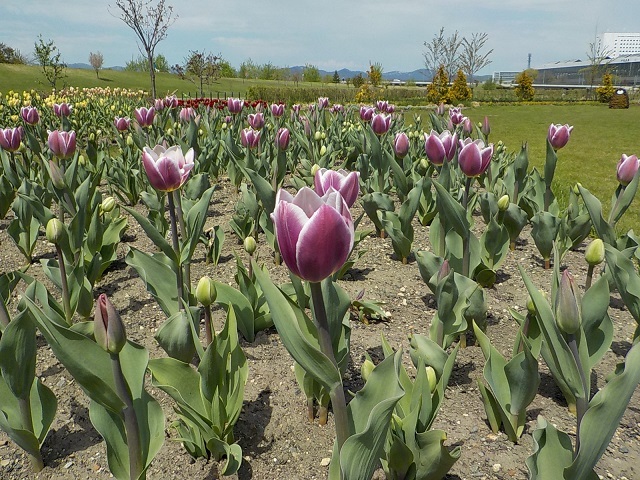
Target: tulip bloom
point(144, 116)
point(366, 113)
point(108, 328)
point(277, 109)
point(380, 123)
point(401, 145)
point(61, 109)
point(315, 234)
point(250, 137)
point(282, 138)
point(627, 168)
point(455, 114)
point(559, 135)
point(10, 138)
point(440, 109)
point(323, 102)
point(168, 168)
point(122, 123)
point(62, 144)
point(186, 114)
point(256, 120)
point(440, 146)
point(158, 104)
point(382, 105)
point(30, 115)
point(467, 126)
point(171, 101)
point(347, 183)
point(474, 157)
point(235, 105)
point(336, 108)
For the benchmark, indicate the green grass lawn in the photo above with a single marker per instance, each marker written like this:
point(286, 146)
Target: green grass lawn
point(600, 136)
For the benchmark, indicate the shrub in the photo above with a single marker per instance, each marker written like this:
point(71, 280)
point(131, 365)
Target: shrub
point(605, 91)
point(459, 90)
point(438, 90)
point(524, 89)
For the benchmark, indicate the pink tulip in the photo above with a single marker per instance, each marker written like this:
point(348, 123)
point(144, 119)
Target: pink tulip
point(440, 109)
point(158, 104)
point(256, 120)
point(401, 144)
point(108, 328)
point(467, 126)
point(366, 113)
point(323, 102)
point(282, 138)
point(61, 109)
point(455, 114)
point(382, 105)
point(627, 168)
point(250, 137)
point(437, 147)
point(235, 105)
point(380, 123)
point(315, 234)
point(474, 157)
point(277, 109)
point(167, 169)
point(337, 108)
point(62, 144)
point(171, 101)
point(390, 108)
point(486, 126)
point(144, 116)
point(558, 135)
point(347, 183)
point(10, 138)
point(186, 114)
point(30, 115)
point(122, 124)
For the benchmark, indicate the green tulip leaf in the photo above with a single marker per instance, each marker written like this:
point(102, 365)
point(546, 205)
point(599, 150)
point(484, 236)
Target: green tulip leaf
point(158, 276)
point(152, 232)
point(553, 453)
point(18, 354)
point(594, 207)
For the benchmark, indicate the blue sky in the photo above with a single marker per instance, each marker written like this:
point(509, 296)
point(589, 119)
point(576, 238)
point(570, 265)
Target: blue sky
point(330, 34)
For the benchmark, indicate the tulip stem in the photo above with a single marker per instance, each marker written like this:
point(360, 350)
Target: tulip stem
point(338, 400)
point(465, 240)
point(24, 405)
point(66, 297)
point(176, 249)
point(587, 283)
point(183, 235)
point(131, 427)
point(4, 314)
point(582, 402)
point(619, 192)
point(208, 330)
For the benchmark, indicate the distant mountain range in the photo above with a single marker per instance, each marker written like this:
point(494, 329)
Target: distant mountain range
point(419, 75)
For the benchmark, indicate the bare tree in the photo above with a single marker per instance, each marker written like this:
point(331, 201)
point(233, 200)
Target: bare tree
point(200, 68)
point(48, 56)
point(472, 60)
point(96, 60)
point(599, 57)
point(443, 50)
point(150, 24)
point(451, 56)
point(433, 54)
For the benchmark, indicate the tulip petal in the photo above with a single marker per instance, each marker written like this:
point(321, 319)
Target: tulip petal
point(289, 220)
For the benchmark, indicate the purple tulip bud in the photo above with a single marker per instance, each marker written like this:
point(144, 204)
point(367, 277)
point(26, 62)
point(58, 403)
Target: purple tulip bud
point(347, 183)
point(235, 105)
point(167, 168)
point(306, 125)
point(256, 120)
point(296, 108)
point(315, 234)
point(144, 116)
point(108, 328)
point(474, 157)
point(437, 147)
point(10, 138)
point(380, 123)
point(250, 137)
point(122, 123)
point(567, 307)
point(558, 135)
point(486, 127)
point(282, 138)
point(61, 109)
point(336, 108)
point(445, 269)
point(323, 102)
point(450, 125)
point(62, 144)
point(627, 168)
point(467, 126)
point(158, 104)
point(455, 114)
point(401, 144)
point(186, 114)
point(440, 109)
point(277, 109)
point(30, 115)
point(171, 101)
point(390, 108)
point(366, 113)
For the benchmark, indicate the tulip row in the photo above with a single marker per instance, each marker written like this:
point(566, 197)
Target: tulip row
point(443, 177)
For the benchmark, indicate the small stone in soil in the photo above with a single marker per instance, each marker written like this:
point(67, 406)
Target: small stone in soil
point(496, 467)
point(325, 462)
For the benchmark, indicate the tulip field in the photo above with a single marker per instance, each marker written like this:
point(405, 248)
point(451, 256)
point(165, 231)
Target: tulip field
point(220, 288)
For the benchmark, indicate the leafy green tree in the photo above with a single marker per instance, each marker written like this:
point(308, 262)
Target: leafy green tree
point(336, 77)
point(524, 89)
point(141, 64)
point(10, 55)
point(606, 90)
point(200, 68)
point(358, 81)
point(226, 70)
point(311, 73)
point(438, 89)
point(459, 90)
point(268, 71)
point(48, 57)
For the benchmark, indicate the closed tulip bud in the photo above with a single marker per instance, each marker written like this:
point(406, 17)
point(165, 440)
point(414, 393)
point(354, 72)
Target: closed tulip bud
point(474, 157)
point(92, 137)
point(62, 144)
point(440, 109)
point(57, 178)
point(130, 141)
point(594, 255)
point(486, 127)
point(250, 245)
point(61, 109)
point(121, 124)
point(108, 204)
point(567, 307)
point(282, 138)
point(576, 188)
point(503, 203)
point(206, 292)
point(108, 328)
point(54, 231)
point(366, 369)
point(10, 138)
point(82, 160)
point(432, 378)
point(323, 150)
point(316, 136)
point(30, 115)
point(558, 135)
point(531, 308)
point(424, 163)
point(366, 113)
point(277, 109)
point(314, 169)
point(401, 145)
point(467, 126)
point(627, 168)
point(186, 114)
point(235, 105)
point(380, 123)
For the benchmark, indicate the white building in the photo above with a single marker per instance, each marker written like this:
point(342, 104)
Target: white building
point(618, 44)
